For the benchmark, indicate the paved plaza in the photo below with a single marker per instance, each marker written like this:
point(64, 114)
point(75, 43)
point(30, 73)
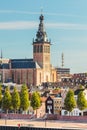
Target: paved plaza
point(45, 124)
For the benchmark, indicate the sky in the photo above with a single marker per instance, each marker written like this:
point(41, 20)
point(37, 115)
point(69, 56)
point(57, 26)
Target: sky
point(65, 23)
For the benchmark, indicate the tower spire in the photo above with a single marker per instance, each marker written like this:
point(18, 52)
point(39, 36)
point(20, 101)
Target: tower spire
point(41, 35)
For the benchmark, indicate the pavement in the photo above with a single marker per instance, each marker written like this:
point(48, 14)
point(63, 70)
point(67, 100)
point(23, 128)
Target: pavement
point(45, 124)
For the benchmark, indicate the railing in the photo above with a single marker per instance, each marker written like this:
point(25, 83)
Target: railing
point(28, 128)
point(16, 116)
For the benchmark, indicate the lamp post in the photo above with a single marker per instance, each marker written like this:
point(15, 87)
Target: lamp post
point(46, 120)
point(5, 119)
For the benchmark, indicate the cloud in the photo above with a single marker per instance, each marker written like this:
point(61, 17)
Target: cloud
point(32, 24)
point(17, 12)
point(17, 25)
point(67, 26)
point(45, 13)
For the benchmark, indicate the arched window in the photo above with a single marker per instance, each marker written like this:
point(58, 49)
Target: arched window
point(40, 77)
point(53, 77)
point(46, 78)
point(41, 48)
point(48, 49)
point(38, 48)
point(34, 48)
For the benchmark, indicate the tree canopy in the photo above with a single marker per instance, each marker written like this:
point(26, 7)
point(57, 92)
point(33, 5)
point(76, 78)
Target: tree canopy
point(6, 101)
point(35, 100)
point(24, 96)
point(69, 102)
point(81, 101)
point(15, 99)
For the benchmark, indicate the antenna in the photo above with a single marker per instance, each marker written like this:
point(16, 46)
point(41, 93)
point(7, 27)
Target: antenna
point(62, 56)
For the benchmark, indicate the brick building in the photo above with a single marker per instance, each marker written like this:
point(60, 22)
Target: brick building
point(31, 71)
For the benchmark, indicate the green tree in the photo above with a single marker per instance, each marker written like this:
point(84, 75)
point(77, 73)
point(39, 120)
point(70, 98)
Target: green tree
point(0, 95)
point(24, 97)
point(69, 102)
point(6, 100)
point(81, 101)
point(35, 101)
point(15, 99)
point(81, 87)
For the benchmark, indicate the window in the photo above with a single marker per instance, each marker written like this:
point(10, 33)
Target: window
point(40, 77)
point(38, 48)
point(49, 101)
point(41, 48)
point(34, 48)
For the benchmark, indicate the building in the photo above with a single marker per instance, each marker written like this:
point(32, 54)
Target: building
point(62, 73)
point(53, 105)
point(31, 71)
point(57, 105)
point(49, 105)
point(79, 78)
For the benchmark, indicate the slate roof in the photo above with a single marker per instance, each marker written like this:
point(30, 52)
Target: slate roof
point(23, 64)
point(4, 66)
point(76, 92)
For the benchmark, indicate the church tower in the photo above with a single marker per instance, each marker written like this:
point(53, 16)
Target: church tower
point(41, 46)
point(41, 49)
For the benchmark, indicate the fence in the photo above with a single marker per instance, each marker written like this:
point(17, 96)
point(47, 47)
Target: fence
point(67, 118)
point(16, 116)
point(28, 128)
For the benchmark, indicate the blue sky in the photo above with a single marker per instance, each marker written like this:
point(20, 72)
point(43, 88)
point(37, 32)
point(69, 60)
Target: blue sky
point(65, 24)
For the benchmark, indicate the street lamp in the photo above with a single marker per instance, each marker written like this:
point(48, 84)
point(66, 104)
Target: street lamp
point(5, 119)
point(45, 120)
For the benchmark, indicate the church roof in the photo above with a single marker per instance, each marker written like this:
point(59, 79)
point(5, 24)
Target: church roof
point(20, 64)
point(23, 64)
point(4, 66)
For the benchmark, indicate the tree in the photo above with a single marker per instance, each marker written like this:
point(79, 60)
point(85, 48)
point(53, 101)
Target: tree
point(0, 95)
point(81, 101)
point(6, 101)
point(69, 101)
point(24, 97)
point(15, 100)
point(81, 87)
point(35, 101)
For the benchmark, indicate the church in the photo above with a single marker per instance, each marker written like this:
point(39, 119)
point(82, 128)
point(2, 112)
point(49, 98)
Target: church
point(31, 71)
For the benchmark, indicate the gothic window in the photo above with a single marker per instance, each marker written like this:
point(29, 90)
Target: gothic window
point(53, 77)
point(40, 77)
point(46, 78)
point(48, 49)
point(38, 48)
point(18, 77)
point(41, 48)
point(45, 49)
point(12, 76)
point(34, 48)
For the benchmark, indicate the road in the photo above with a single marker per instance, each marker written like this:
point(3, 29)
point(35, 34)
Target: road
point(47, 124)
